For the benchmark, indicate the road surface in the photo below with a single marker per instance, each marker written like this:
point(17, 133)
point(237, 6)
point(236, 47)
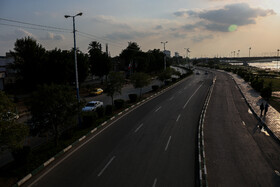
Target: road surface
point(238, 152)
point(153, 145)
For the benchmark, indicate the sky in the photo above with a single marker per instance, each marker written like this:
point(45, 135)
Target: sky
point(208, 28)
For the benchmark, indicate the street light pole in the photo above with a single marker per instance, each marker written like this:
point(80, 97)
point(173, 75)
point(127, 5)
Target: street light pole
point(249, 50)
point(75, 53)
point(277, 57)
point(164, 53)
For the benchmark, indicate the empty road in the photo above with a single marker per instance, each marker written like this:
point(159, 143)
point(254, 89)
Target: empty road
point(153, 145)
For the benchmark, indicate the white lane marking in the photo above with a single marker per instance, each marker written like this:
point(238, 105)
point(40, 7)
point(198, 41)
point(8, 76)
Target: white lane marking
point(191, 97)
point(158, 109)
point(166, 147)
point(171, 98)
point(80, 146)
point(106, 166)
point(243, 123)
point(138, 128)
point(155, 182)
point(178, 118)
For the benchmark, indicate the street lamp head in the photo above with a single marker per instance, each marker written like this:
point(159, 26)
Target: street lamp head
point(79, 14)
point(67, 16)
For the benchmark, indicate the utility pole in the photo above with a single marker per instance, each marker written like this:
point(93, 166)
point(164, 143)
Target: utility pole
point(75, 53)
point(164, 53)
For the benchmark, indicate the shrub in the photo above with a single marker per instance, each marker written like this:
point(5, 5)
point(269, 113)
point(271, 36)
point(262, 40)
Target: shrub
point(119, 103)
point(108, 110)
point(67, 134)
point(100, 112)
point(21, 155)
point(155, 87)
point(89, 118)
point(132, 97)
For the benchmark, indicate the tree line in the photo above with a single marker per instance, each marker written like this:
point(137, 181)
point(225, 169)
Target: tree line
point(49, 76)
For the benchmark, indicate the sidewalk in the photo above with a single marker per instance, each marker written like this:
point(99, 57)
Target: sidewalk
point(253, 98)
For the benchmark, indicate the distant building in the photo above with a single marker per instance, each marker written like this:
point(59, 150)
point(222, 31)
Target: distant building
point(5, 72)
point(167, 53)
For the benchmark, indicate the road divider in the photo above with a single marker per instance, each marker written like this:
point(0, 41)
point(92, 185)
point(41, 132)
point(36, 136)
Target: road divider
point(201, 151)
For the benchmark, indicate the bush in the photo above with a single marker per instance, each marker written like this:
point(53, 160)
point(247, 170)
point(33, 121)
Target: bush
point(132, 97)
point(89, 118)
point(100, 112)
point(266, 93)
point(119, 103)
point(21, 155)
point(67, 134)
point(155, 87)
point(109, 110)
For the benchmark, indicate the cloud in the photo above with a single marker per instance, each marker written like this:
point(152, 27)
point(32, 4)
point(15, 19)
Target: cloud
point(240, 14)
point(111, 21)
point(53, 37)
point(18, 33)
point(200, 38)
point(130, 35)
point(158, 27)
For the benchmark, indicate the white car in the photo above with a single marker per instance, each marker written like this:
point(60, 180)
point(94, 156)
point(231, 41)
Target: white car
point(92, 106)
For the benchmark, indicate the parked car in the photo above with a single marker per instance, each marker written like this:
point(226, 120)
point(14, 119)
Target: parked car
point(92, 106)
point(96, 91)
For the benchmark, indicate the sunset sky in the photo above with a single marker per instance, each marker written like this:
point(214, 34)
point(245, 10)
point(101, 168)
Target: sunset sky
point(208, 27)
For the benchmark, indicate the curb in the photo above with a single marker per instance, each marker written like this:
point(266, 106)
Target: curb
point(126, 111)
point(201, 152)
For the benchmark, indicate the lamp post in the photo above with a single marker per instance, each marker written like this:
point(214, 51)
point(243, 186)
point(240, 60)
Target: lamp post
point(277, 57)
point(164, 53)
point(75, 53)
point(249, 51)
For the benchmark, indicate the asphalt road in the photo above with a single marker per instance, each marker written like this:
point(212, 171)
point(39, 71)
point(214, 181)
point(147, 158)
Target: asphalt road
point(238, 152)
point(153, 145)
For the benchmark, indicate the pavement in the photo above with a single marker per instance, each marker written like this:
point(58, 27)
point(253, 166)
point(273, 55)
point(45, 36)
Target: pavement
point(253, 98)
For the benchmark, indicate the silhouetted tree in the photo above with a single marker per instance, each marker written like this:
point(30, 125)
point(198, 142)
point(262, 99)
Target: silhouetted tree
point(114, 84)
point(29, 58)
point(139, 80)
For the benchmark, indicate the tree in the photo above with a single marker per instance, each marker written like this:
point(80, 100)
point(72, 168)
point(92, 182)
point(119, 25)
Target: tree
point(139, 80)
point(54, 108)
point(114, 84)
point(60, 67)
point(129, 54)
point(12, 133)
point(29, 57)
point(100, 63)
point(166, 74)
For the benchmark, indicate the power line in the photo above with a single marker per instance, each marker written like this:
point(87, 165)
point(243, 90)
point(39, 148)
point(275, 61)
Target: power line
point(37, 25)
point(18, 26)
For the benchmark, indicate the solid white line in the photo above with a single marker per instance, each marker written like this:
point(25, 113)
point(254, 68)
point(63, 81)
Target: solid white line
point(178, 117)
point(158, 109)
point(191, 97)
point(138, 127)
point(106, 166)
point(155, 182)
point(166, 147)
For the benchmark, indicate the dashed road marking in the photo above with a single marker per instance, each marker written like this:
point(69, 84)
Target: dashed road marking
point(106, 166)
point(243, 123)
point(158, 109)
point(178, 118)
point(171, 98)
point(138, 128)
point(191, 97)
point(155, 182)
point(166, 147)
